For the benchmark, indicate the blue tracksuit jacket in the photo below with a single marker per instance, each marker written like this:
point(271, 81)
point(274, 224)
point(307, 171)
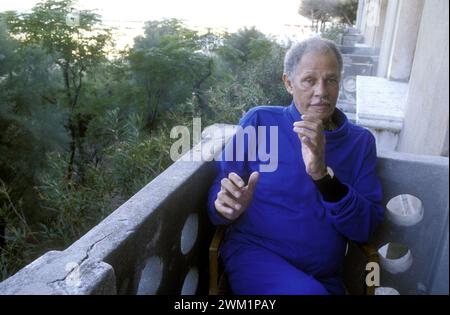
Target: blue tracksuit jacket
point(289, 240)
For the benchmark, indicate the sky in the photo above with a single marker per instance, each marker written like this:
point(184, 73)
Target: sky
point(273, 17)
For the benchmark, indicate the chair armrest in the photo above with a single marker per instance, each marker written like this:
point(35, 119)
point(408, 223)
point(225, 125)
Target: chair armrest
point(214, 260)
point(372, 256)
point(369, 251)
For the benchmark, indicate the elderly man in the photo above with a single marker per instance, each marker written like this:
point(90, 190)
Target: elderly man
point(288, 228)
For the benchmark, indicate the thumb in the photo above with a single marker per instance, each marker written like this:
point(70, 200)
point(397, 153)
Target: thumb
point(252, 181)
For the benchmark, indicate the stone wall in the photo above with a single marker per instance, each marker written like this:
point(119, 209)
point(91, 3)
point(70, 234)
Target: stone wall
point(427, 113)
point(413, 240)
point(414, 50)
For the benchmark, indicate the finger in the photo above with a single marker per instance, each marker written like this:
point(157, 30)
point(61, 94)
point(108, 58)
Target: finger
point(224, 210)
point(307, 142)
point(230, 187)
point(254, 177)
point(314, 123)
point(302, 132)
point(228, 201)
point(236, 179)
point(311, 125)
point(308, 136)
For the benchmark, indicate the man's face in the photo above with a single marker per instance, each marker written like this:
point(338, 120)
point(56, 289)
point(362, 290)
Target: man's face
point(315, 85)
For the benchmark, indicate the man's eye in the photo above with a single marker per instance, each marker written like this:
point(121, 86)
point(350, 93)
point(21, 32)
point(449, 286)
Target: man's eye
point(309, 81)
point(332, 81)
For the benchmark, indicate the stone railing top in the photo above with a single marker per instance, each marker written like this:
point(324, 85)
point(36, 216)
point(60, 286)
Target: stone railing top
point(380, 103)
point(361, 45)
point(359, 49)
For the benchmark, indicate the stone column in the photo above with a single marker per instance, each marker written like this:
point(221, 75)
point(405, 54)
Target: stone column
point(388, 36)
point(379, 30)
point(372, 21)
point(405, 38)
point(359, 14)
point(427, 114)
point(445, 145)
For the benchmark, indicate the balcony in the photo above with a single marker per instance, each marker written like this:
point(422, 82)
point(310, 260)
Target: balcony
point(157, 242)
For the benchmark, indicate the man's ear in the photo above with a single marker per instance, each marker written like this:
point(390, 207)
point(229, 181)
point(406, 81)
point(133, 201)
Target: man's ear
point(287, 83)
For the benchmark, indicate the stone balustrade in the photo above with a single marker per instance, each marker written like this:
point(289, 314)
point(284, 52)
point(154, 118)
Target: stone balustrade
point(157, 242)
point(380, 108)
point(357, 61)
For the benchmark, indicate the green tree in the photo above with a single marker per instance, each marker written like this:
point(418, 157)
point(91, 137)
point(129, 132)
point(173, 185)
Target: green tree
point(31, 125)
point(168, 64)
point(253, 64)
point(77, 49)
point(247, 44)
point(30, 118)
point(322, 11)
point(346, 11)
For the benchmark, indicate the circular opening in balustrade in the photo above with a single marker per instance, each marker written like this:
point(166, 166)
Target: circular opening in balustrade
point(190, 282)
point(350, 84)
point(405, 210)
point(189, 233)
point(386, 291)
point(395, 257)
point(151, 276)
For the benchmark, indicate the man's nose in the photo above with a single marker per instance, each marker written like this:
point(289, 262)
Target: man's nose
point(320, 89)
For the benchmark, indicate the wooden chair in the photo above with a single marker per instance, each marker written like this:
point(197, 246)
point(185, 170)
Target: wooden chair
point(218, 283)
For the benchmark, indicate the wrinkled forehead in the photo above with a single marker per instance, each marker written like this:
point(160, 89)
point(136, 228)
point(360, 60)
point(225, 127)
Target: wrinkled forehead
point(324, 63)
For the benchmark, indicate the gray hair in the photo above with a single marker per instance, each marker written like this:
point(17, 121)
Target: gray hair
point(311, 45)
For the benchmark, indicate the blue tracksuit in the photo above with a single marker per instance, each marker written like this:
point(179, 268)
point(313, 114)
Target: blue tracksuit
point(289, 240)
